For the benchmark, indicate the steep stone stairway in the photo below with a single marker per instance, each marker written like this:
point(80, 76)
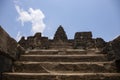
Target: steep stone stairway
point(69, 64)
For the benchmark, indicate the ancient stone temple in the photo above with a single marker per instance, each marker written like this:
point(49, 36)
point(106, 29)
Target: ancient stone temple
point(82, 40)
point(60, 58)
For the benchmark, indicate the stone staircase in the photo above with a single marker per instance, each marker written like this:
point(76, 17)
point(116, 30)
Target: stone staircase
point(69, 64)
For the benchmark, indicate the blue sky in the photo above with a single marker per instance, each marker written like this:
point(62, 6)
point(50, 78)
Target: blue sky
point(26, 17)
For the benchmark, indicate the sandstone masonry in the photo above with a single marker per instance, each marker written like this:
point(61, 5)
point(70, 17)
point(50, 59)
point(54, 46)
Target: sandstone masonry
point(82, 40)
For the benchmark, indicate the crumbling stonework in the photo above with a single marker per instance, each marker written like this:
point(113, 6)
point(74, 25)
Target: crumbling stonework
point(8, 51)
point(82, 40)
point(100, 43)
point(34, 42)
point(6, 42)
point(22, 42)
point(112, 49)
point(83, 35)
point(116, 47)
point(8, 48)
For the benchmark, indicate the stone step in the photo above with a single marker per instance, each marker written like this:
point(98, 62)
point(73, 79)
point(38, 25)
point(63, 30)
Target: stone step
point(61, 76)
point(80, 67)
point(61, 52)
point(59, 47)
point(64, 58)
point(55, 52)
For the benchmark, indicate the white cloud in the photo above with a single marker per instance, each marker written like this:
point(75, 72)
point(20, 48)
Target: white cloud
point(35, 16)
point(18, 37)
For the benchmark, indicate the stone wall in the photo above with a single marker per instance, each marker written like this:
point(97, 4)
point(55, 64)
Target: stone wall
point(112, 49)
point(7, 44)
point(6, 62)
point(116, 49)
point(8, 51)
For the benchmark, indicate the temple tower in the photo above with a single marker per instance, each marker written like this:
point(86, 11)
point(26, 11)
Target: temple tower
point(60, 35)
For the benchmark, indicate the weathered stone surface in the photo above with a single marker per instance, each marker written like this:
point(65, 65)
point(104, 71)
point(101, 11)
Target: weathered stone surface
point(100, 43)
point(20, 51)
point(60, 62)
point(6, 62)
point(83, 35)
point(37, 35)
point(83, 67)
point(35, 42)
point(44, 43)
point(116, 48)
point(63, 66)
point(83, 40)
point(22, 42)
point(7, 44)
point(9, 51)
point(62, 76)
point(112, 49)
point(60, 34)
point(8, 48)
